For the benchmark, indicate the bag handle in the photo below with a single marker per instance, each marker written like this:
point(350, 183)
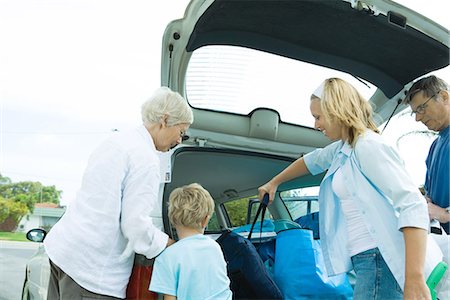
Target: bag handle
point(435, 277)
point(262, 208)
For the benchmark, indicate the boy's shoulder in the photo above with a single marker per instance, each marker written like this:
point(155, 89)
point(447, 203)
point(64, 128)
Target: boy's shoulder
point(197, 240)
point(187, 244)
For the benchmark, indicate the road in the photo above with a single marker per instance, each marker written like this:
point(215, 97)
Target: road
point(13, 257)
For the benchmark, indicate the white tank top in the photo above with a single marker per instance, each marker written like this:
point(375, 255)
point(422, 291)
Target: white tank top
point(359, 238)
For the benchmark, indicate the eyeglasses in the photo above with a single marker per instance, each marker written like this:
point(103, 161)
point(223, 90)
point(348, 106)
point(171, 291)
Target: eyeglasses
point(421, 108)
point(183, 135)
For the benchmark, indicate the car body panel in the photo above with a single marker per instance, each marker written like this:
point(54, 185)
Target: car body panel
point(381, 42)
point(37, 274)
point(329, 33)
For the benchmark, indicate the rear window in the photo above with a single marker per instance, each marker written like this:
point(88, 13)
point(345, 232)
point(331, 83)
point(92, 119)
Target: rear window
point(238, 80)
point(301, 202)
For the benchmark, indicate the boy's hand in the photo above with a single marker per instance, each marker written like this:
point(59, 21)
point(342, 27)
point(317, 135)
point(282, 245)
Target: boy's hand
point(170, 242)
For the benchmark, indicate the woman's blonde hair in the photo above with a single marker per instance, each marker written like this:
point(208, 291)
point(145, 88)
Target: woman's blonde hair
point(165, 102)
point(189, 205)
point(341, 102)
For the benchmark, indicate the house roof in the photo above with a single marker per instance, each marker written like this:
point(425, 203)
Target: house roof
point(46, 205)
point(48, 210)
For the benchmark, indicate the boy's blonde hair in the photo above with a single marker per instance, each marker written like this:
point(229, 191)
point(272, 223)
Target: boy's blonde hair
point(343, 103)
point(189, 205)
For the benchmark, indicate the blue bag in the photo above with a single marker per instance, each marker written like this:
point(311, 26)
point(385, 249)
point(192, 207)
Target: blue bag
point(299, 269)
point(248, 275)
point(310, 221)
point(266, 226)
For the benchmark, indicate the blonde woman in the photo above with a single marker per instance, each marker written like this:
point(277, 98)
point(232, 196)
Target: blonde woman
point(373, 218)
point(194, 267)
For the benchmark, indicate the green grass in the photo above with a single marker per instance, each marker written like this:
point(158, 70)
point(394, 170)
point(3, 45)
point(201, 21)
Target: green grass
point(13, 236)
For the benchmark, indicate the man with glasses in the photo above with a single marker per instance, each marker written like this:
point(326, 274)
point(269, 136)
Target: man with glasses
point(430, 104)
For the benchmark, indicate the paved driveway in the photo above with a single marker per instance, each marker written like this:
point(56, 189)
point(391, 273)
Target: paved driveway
point(13, 257)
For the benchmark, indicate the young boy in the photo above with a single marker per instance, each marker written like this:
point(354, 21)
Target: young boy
point(193, 267)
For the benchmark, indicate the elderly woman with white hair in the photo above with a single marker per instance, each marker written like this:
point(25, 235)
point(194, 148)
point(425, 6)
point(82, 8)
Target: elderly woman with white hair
point(91, 249)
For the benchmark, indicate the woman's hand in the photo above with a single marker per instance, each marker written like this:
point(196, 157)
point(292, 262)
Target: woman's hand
point(415, 252)
point(295, 169)
point(268, 188)
point(416, 288)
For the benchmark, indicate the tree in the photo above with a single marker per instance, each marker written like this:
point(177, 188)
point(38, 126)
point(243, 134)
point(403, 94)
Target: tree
point(237, 211)
point(18, 198)
point(28, 192)
point(12, 211)
point(4, 180)
point(426, 132)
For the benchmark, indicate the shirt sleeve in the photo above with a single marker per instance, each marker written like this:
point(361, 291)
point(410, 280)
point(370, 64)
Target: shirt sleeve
point(384, 168)
point(140, 193)
point(163, 279)
point(320, 160)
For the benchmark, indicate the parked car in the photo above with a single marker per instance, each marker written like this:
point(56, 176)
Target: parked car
point(37, 271)
point(247, 68)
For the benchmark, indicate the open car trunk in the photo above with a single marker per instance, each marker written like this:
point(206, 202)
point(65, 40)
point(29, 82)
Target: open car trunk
point(379, 41)
point(229, 175)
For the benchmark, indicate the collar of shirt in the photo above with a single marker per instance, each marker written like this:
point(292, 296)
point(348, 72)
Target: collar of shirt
point(346, 149)
point(341, 157)
point(148, 137)
point(445, 131)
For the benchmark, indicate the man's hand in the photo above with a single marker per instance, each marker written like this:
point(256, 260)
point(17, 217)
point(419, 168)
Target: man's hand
point(438, 213)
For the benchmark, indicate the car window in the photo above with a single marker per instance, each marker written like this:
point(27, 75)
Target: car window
point(404, 133)
point(301, 202)
point(238, 80)
point(242, 211)
point(213, 225)
point(253, 206)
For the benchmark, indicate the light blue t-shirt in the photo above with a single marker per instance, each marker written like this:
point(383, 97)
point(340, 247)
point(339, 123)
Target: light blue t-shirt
point(192, 268)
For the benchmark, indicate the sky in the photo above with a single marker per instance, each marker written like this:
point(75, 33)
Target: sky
point(72, 72)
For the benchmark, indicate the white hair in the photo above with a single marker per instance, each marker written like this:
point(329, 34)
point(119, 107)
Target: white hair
point(163, 102)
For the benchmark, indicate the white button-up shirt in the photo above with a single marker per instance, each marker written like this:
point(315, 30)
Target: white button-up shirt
point(113, 216)
point(386, 197)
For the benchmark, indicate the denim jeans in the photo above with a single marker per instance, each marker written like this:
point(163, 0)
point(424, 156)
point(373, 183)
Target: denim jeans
point(374, 280)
